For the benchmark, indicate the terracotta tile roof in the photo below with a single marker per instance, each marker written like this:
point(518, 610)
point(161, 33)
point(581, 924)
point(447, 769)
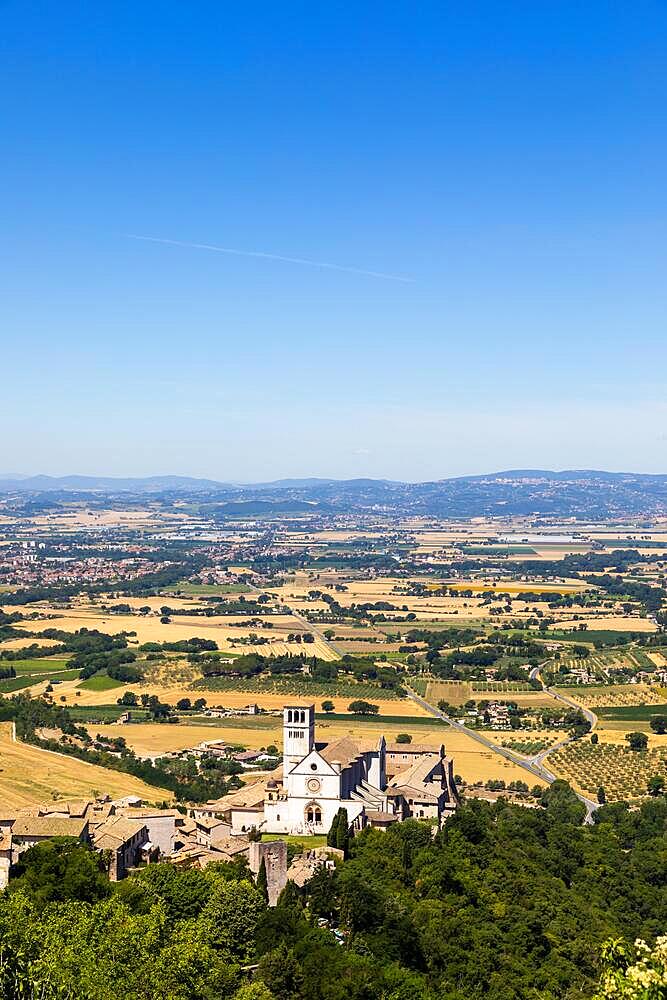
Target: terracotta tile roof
point(248, 797)
point(48, 826)
point(117, 831)
point(343, 750)
point(413, 781)
point(231, 845)
point(417, 771)
point(146, 813)
point(412, 792)
point(78, 808)
point(382, 817)
point(210, 823)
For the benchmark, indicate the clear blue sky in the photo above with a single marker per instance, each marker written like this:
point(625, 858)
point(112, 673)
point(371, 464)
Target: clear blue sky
point(509, 158)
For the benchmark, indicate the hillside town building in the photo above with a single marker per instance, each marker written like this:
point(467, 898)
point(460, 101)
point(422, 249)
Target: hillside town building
point(375, 783)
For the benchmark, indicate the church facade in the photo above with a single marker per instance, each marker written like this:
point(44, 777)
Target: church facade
point(376, 784)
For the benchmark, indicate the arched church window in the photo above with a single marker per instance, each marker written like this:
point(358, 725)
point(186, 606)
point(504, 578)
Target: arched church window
point(314, 815)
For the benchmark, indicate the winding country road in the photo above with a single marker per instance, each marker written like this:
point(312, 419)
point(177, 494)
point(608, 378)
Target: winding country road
point(305, 624)
point(533, 765)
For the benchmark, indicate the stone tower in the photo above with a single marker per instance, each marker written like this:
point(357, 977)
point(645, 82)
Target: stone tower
point(274, 855)
point(298, 734)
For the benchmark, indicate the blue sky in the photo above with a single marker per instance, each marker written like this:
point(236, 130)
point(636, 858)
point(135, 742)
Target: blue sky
point(508, 158)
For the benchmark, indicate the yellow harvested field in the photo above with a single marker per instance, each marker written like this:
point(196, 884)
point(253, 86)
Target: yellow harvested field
point(459, 692)
point(455, 692)
point(622, 623)
point(22, 643)
point(29, 775)
point(524, 699)
point(152, 739)
point(172, 693)
point(514, 588)
point(614, 731)
point(151, 629)
point(471, 760)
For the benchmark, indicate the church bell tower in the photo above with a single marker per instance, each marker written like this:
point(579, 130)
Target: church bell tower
point(298, 734)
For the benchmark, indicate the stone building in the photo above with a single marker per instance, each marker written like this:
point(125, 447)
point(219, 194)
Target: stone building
point(375, 786)
point(123, 843)
point(30, 830)
point(274, 855)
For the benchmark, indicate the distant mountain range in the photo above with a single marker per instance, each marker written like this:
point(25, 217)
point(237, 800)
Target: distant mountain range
point(105, 484)
point(574, 493)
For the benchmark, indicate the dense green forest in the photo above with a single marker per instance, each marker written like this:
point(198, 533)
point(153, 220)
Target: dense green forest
point(505, 903)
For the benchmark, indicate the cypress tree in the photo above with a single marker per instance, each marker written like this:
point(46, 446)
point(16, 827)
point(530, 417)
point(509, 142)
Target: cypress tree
point(262, 882)
point(332, 835)
point(342, 839)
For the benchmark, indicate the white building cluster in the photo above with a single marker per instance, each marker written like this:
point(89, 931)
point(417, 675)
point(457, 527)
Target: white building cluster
point(377, 784)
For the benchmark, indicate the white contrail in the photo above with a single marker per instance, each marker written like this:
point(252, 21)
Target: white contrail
point(273, 256)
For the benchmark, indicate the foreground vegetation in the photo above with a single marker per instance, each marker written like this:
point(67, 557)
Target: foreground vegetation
point(504, 903)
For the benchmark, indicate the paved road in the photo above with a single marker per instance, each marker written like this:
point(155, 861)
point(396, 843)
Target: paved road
point(591, 804)
point(534, 765)
point(307, 626)
point(590, 716)
point(310, 627)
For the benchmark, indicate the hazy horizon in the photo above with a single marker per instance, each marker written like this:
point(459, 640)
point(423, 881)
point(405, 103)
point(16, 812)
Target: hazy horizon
point(233, 481)
point(365, 241)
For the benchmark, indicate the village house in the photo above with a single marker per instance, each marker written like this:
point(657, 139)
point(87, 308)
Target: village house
point(499, 716)
point(26, 831)
point(166, 827)
point(124, 843)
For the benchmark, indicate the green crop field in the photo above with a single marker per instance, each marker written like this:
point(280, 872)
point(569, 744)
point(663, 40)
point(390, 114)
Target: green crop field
point(399, 720)
point(38, 666)
point(300, 688)
point(309, 842)
point(631, 713)
point(268, 722)
point(104, 713)
point(100, 682)
point(604, 637)
point(15, 684)
point(57, 677)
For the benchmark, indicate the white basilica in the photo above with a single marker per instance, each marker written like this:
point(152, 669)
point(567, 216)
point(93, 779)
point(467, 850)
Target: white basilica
point(376, 784)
